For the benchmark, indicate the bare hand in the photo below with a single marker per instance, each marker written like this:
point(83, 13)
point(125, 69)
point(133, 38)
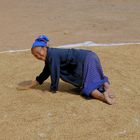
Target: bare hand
point(27, 85)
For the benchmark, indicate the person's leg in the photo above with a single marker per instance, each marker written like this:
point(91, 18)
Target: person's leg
point(102, 97)
point(98, 95)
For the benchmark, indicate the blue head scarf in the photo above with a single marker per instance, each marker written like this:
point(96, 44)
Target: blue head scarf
point(41, 41)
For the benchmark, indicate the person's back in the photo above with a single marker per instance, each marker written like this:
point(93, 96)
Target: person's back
point(69, 63)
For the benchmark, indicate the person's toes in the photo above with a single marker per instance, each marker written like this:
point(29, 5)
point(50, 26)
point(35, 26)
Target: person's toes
point(111, 95)
point(109, 100)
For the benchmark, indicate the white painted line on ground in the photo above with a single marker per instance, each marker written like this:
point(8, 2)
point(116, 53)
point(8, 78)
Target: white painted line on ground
point(12, 51)
point(84, 44)
point(93, 44)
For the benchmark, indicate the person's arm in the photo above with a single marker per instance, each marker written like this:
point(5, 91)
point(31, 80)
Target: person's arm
point(43, 75)
point(30, 85)
point(55, 74)
point(39, 79)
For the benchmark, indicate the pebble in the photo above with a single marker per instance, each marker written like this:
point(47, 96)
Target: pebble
point(122, 132)
point(5, 116)
point(136, 121)
point(66, 32)
point(126, 89)
point(50, 114)
point(42, 135)
point(9, 86)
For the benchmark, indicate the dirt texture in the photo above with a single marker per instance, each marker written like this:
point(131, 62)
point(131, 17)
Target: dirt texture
point(37, 114)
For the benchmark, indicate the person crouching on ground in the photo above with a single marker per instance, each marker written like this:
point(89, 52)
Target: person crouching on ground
point(81, 68)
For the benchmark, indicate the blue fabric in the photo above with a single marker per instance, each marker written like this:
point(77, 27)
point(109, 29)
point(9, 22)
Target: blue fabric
point(94, 77)
point(43, 38)
point(41, 41)
point(67, 64)
point(81, 68)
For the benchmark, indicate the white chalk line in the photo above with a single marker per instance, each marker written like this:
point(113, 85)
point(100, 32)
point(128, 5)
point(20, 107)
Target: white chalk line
point(84, 44)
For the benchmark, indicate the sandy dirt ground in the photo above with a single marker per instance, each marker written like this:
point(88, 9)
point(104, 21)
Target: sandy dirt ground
point(65, 21)
point(39, 115)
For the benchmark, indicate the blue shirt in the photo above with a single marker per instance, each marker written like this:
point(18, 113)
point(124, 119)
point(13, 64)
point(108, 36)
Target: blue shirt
point(67, 64)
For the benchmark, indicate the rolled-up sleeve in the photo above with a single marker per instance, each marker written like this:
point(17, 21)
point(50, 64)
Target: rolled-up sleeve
point(44, 74)
point(55, 73)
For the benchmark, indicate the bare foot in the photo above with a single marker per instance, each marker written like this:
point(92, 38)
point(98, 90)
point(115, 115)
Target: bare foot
point(110, 94)
point(107, 88)
point(108, 99)
point(103, 97)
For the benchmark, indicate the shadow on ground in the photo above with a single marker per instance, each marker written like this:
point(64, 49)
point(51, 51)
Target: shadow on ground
point(63, 87)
